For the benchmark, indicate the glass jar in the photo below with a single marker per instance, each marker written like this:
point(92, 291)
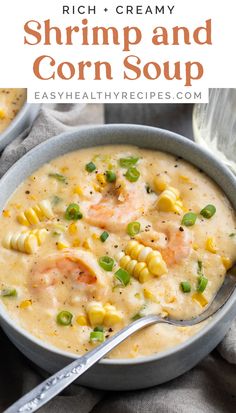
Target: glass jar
point(214, 125)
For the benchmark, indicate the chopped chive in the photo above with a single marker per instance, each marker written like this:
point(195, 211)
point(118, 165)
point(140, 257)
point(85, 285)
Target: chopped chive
point(232, 234)
point(199, 270)
point(107, 263)
point(208, 211)
point(8, 292)
point(90, 167)
point(104, 236)
point(110, 176)
point(189, 219)
point(132, 174)
point(64, 318)
point(58, 177)
point(73, 212)
point(136, 317)
point(133, 228)
point(127, 162)
point(97, 336)
point(99, 328)
point(185, 286)
point(202, 283)
point(123, 276)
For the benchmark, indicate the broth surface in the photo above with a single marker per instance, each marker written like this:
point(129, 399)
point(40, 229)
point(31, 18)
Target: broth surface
point(128, 205)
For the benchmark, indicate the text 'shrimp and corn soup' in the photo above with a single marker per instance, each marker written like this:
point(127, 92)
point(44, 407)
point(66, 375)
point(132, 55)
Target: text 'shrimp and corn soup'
point(102, 236)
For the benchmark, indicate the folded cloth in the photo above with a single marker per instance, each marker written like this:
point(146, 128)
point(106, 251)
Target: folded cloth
point(210, 387)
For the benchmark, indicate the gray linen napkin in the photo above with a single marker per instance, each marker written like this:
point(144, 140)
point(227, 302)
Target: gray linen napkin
point(210, 387)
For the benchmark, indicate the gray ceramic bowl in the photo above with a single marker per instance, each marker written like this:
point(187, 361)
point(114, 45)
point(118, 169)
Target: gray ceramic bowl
point(24, 118)
point(123, 374)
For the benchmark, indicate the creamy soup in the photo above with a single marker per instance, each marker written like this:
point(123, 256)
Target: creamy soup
point(102, 236)
point(11, 101)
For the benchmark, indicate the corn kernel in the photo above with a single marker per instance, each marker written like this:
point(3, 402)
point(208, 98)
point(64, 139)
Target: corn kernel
point(61, 245)
point(31, 244)
point(210, 245)
point(125, 261)
point(96, 313)
point(184, 178)
point(171, 299)
point(95, 236)
point(195, 246)
point(87, 244)
point(2, 113)
point(157, 266)
point(25, 304)
point(78, 190)
point(82, 320)
point(138, 268)
point(32, 197)
point(227, 262)
point(148, 294)
point(6, 213)
point(76, 243)
point(72, 228)
point(200, 299)
point(178, 207)
point(164, 313)
point(101, 179)
point(31, 216)
point(97, 188)
point(130, 246)
point(144, 275)
point(64, 169)
point(167, 200)
point(112, 316)
point(160, 182)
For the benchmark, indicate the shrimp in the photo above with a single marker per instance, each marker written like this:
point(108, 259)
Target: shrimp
point(73, 276)
point(174, 243)
point(120, 204)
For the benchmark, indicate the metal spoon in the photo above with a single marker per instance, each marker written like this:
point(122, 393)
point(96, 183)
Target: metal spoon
point(49, 388)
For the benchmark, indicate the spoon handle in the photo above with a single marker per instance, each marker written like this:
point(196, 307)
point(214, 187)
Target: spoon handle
point(49, 388)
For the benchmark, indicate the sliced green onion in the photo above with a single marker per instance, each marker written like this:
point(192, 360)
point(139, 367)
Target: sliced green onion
point(97, 336)
point(202, 283)
point(104, 236)
point(208, 211)
point(8, 292)
point(99, 328)
point(199, 270)
point(133, 228)
point(123, 276)
point(189, 219)
point(110, 176)
point(127, 162)
point(90, 167)
point(73, 212)
point(58, 177)
point(232, 235)
point(64, 318)
point(136, 317)
point(132, 174)
point(185, 286)
point(107, 263)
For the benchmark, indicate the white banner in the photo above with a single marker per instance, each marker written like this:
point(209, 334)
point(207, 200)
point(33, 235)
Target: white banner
point(110, 51)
